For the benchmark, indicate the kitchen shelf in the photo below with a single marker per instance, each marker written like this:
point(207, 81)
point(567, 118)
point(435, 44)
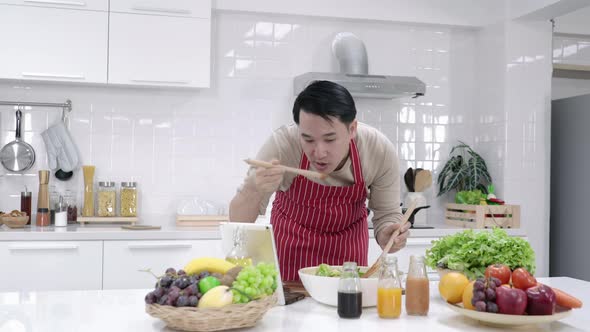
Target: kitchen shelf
point(103, 220)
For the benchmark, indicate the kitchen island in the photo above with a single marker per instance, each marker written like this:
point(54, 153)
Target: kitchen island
point(124, 310)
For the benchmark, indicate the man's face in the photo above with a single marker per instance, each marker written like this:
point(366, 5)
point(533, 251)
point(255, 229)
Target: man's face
point(325, 143)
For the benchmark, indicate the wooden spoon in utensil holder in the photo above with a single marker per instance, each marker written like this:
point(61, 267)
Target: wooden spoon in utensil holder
point(391, 241)
point(423, 180)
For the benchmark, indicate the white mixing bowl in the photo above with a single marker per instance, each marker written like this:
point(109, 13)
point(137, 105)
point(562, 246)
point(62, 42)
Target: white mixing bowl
point(325, 289)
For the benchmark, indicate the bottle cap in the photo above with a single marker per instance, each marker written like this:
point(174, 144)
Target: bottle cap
point(25, 193)
point(42, 210)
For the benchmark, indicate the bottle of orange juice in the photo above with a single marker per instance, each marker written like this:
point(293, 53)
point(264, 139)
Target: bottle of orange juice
point(389, 289)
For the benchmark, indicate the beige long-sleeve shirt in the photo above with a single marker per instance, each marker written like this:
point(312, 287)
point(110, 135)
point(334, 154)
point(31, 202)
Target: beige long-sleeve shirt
point(379, 164)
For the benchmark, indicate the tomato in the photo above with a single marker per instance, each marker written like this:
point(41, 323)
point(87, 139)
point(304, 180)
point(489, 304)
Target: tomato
point(499, 271)
point(522, 279)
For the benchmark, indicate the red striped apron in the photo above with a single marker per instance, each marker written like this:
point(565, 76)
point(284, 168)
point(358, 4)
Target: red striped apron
point(315, 223)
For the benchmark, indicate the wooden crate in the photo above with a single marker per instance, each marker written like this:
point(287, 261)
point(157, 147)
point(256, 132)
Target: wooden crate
point(483, 216)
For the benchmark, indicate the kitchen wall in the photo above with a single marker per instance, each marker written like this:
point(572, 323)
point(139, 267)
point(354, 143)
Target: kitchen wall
point(179, 144)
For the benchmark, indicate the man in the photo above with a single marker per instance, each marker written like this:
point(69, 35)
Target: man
point(325, 221)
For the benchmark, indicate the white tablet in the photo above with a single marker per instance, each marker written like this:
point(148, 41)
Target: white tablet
point(260, 244)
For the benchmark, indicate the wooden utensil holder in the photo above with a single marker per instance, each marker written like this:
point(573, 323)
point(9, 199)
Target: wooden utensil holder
point(482, 216)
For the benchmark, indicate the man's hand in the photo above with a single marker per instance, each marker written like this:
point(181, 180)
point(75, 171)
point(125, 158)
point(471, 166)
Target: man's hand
point(400, 241)
point(269, 179)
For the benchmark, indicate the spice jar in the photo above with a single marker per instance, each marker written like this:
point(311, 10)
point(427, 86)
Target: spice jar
point(389, 289)
point(72, 206)
point(106, 199)
point(128, 197)
point(42, 217)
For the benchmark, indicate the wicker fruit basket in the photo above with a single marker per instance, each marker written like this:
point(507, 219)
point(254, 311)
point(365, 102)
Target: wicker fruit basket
point(212, 319)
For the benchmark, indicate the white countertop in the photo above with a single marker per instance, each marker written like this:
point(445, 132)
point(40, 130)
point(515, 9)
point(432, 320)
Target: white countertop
point(115, 232)
point(124, 310)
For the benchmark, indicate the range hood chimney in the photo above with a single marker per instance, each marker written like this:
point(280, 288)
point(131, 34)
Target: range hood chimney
point(354, 74)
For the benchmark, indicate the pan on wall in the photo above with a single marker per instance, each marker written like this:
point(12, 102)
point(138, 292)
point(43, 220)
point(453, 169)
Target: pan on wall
point(18, 155)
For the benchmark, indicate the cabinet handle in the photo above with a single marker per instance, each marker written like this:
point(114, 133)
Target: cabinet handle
point(160, 81)
point(160, 246)
point(33, 247)
point(162, 10)
point(80, 77)
point(57, 2)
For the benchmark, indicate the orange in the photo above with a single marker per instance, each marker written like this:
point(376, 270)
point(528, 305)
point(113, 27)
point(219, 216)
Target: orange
point(451, 286)
point(468, 295)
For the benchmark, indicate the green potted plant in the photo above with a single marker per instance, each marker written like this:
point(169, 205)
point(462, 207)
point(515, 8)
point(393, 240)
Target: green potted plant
point(465, 171)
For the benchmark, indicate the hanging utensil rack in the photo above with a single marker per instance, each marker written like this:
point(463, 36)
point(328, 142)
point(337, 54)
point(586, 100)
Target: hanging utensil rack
point(67, 106)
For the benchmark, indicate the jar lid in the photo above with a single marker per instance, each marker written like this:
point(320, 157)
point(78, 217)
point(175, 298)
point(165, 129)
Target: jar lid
point(43, 210)
point(25, 193)
point(106, 183)
point(128, 184)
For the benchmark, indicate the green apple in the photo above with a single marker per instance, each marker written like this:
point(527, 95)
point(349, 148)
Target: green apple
point(208, 283)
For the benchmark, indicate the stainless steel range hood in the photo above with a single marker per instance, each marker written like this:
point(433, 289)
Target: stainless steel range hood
point(352, 56)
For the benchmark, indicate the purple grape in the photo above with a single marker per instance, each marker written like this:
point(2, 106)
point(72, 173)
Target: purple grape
point(193, 301)
point(191, 290)
point(166, 281)
point(479, 295)
point(498, 282)
point(491, 283)
point(182, 282)
point(479, 285)
point(170, 270)
point(174, 289)
point(181, 272)
point(182, 301)
point(480, 306)
point(492, 307)
point(170, 301)
point(150, 298)
point(204, 274)
point(159, 291)
point(490, 294)
point(199, 295)
point(193, 279)
point(163, 299)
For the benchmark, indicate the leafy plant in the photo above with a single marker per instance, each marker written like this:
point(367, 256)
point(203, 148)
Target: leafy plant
point(465, 170)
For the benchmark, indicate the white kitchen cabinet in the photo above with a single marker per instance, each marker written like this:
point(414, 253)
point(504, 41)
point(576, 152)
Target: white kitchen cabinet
point(51, 265)
point(124, 259)
point(102, 5)
point(53, 44)
point(414, 246)
point(159, 50)
point(190, 8)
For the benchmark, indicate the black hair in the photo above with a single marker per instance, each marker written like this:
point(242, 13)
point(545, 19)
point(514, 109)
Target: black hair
point(326, 99)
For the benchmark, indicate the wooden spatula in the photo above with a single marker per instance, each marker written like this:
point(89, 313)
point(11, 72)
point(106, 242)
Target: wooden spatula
point(304, 172)
point(423, 180)
point(389, 244)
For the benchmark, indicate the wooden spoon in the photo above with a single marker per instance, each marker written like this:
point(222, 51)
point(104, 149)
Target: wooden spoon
point(391, 241)
point(423, 180)
point(303, 172)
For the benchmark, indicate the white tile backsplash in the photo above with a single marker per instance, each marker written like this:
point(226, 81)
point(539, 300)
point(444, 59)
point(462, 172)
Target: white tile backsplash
point(179, 143)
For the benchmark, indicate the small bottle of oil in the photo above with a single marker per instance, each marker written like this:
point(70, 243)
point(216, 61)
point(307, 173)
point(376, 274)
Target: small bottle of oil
point(239, 253)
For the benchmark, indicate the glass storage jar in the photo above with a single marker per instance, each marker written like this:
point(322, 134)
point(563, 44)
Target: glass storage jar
point(72, 206)
point(128, 197)
point(107, 196)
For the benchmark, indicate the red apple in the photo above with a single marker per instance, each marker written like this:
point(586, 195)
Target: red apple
point(499, 271)
point(511, 301)
point(522, 279)
point(541, 300)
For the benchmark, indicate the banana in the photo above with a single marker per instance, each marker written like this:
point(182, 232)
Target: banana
point(209, 264)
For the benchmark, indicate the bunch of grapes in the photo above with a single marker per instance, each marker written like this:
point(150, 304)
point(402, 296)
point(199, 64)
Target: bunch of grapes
point(484, 294)
point(177, 289)
point(254, 282)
